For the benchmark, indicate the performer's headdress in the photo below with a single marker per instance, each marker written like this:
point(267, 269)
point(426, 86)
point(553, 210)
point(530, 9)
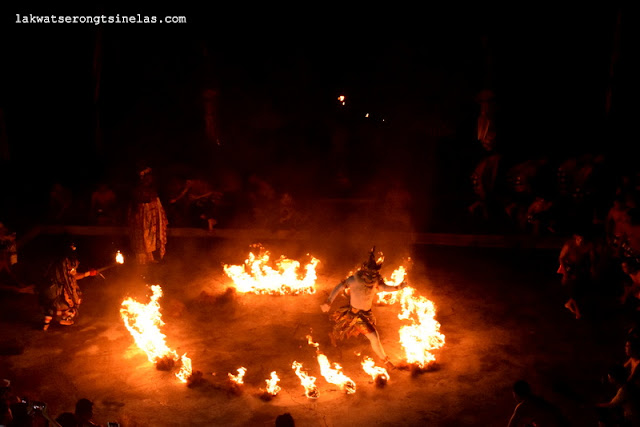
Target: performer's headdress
point(372, 263)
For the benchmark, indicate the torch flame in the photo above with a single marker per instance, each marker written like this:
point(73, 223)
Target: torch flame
point(272, 384)
point(309, 383)
point(333, 375)
point(144, 322)
point(186, 370)
point(119, 258)
point(258, 277)
point(376, 372)
point(238, 379)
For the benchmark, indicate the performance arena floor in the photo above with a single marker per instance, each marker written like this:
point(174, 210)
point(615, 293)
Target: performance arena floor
point(501, 312)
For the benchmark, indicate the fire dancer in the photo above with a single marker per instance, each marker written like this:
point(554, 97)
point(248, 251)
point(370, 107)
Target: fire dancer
point(61, 297)
point(147, 221)
point(356, 318)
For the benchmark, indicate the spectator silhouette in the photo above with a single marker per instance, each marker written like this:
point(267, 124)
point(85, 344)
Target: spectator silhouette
point(285, 420)
point(624, 408)
point(532, 409)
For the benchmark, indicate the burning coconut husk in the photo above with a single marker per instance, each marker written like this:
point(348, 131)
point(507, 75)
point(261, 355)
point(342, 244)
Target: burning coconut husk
point(308, 382)
point(236, 381)
point(144, 322)
point(379, 375)
point(334, 374)
point(272, 388)
point(423, 335)
point(283, 277)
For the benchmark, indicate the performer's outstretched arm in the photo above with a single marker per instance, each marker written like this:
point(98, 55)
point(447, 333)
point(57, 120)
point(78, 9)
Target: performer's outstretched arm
point(382, 286)
point(334, 293)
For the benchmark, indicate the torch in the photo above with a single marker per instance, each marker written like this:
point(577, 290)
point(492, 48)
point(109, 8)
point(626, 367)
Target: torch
point(119, 260)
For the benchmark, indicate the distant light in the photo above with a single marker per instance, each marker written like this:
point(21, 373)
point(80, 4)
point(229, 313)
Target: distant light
point(366, 115)
point(342, 99)
point(343, 103)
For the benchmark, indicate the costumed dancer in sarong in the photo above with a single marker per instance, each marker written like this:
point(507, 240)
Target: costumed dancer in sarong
point(356, 318)
point(147, 221)
point(61, 296)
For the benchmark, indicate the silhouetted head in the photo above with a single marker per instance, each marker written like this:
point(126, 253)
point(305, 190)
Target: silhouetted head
point(632, 347)
point(84, 409)
point(285, 420)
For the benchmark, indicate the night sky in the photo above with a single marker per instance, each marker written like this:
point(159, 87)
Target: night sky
point(278, 73)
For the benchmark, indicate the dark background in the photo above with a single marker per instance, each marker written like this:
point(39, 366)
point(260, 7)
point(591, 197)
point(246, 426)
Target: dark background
point(278, 73)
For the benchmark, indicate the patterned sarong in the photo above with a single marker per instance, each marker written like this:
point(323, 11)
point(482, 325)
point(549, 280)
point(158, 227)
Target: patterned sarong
point(350, 322)
point(148, 223)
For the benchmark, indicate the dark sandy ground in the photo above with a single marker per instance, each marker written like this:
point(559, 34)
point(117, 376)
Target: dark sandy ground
point(501, 312)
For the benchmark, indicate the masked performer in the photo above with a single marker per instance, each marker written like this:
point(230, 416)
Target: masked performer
point(147, 221)
point(61, 296)
point(356, 318)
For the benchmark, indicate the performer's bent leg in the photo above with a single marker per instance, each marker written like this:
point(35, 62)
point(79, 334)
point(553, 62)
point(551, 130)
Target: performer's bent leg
point(376, 345)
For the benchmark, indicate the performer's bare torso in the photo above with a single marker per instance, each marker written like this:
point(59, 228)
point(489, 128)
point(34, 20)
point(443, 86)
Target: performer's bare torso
point(361, 294)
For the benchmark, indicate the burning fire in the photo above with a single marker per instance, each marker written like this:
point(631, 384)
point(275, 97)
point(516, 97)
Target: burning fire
point(423, 334)
point(186, 370)
point(309, 383)
point(238, 379)
point(332, 375)
point(377, 373)
point(397, 277)
point(119, 258)
point(144, 322)
point(258, 277)
point(272, 384)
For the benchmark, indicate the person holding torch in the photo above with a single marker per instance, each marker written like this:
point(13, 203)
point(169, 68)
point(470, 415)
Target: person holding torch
point(61, 296)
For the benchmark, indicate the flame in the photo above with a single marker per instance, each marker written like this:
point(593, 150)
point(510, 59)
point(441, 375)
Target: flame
point(397, 277)
point(423, 334)
point(258, 277)
point(119, 258)
point(144, 322)
point(272, 384)
point(309, 383)
point(238, 379)
point(376, 372)
point(333, 375)
point(186, 370)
